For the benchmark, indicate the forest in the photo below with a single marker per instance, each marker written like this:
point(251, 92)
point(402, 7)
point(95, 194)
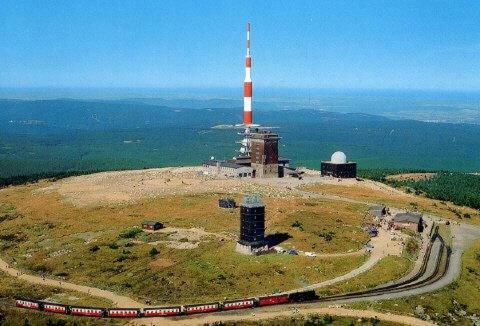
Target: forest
point(459, 188)
point(56, 136)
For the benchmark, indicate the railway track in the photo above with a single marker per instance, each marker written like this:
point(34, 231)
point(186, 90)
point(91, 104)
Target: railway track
point(415, 282)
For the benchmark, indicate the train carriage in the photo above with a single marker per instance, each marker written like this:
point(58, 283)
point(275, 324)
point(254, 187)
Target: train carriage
point(239, 304)
point(202, 308)
point(273, 300)
point(29, 304)
point(163, 311)
point(87, 311)
point(123, 313)
point(55, 308)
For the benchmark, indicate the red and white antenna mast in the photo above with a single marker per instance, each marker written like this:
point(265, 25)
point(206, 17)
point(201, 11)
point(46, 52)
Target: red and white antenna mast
point(247, 85)
point(247, 101)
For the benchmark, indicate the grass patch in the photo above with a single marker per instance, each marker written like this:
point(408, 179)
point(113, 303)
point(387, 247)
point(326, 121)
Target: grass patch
point(446, 233)
point(309, 320)
point(102, 246)
point(130, 233)
point(387, 269)
point(8, 212)
point(12, 288)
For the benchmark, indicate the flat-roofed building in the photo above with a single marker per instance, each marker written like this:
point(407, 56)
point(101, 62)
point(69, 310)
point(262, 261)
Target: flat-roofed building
point(408, 220)
point(227, 169)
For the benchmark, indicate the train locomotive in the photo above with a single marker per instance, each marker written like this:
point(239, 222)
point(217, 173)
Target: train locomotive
point(247, 303)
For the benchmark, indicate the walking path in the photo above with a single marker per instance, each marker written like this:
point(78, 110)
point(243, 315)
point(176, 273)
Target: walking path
point(118, 300)
point(379, 251)
point(283, 311)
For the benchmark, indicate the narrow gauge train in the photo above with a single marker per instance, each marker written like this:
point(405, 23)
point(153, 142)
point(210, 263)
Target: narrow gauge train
point(166, 311)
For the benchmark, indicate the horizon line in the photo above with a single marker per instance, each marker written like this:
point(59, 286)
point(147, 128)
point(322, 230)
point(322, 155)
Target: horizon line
point(388, 89)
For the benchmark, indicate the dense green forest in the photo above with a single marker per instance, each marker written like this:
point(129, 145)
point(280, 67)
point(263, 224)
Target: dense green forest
point(54, 136)
point(459, 188)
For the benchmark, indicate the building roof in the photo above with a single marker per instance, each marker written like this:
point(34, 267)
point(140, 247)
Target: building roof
point(377, 211)
point(408, 217)
point(263, 134)
point(151, 222)
point(283, 160)
point(224, 164)
point(252, 201)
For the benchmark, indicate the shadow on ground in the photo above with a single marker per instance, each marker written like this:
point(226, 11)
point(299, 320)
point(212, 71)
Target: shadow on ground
point(277, 238)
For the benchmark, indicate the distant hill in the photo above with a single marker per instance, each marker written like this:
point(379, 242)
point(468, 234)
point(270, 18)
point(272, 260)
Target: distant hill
point(61, 135)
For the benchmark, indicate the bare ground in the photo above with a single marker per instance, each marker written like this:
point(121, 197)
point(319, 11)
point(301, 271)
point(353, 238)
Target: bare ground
point(126, 186)
point(283, 311)
point(411, 176)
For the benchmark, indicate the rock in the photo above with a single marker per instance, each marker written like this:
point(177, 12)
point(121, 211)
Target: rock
point(475, 320)
point(419, 310)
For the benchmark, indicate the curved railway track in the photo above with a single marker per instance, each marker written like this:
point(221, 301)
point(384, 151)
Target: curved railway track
point(414, 282)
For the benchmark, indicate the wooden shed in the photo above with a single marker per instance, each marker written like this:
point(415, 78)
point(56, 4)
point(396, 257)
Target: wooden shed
point(152, 225)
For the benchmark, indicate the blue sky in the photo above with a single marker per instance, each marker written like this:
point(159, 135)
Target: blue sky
point(304, 44)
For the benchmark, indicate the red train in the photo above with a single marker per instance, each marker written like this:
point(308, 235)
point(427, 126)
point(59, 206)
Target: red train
point(87, 311)
point(161, 312)
point(29, 304)
point(273, 300)
point(166, 311)
point(55, 308)
point(239, 304)
point(123, 313)
point(201, 308)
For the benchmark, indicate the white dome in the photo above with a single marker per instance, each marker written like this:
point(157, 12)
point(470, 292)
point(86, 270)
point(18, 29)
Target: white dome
point(339, 158)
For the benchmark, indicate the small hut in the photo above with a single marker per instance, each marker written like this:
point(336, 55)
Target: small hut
point(227, 203)
point(152, 225)
point(408, 220)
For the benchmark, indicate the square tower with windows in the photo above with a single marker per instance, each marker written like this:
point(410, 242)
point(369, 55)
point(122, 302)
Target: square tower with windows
point(264, 153)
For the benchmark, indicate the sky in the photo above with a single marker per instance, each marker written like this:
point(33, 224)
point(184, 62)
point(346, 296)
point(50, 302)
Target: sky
point(431, 45)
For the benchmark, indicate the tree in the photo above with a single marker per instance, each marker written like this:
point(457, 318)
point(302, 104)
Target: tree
point(153, 252)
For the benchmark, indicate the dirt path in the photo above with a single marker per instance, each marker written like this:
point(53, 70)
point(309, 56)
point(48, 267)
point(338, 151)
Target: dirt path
point(382, 247)
point(118, 300)
point(285, 311)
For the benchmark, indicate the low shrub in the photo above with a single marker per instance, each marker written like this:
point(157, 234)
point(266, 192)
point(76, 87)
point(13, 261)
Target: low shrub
point(95, 248)
point(153, 252)
point(327, 235)
point(130, 233)
point(113, 245)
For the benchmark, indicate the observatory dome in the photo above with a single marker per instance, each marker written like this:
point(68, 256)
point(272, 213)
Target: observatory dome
point(338, 158)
